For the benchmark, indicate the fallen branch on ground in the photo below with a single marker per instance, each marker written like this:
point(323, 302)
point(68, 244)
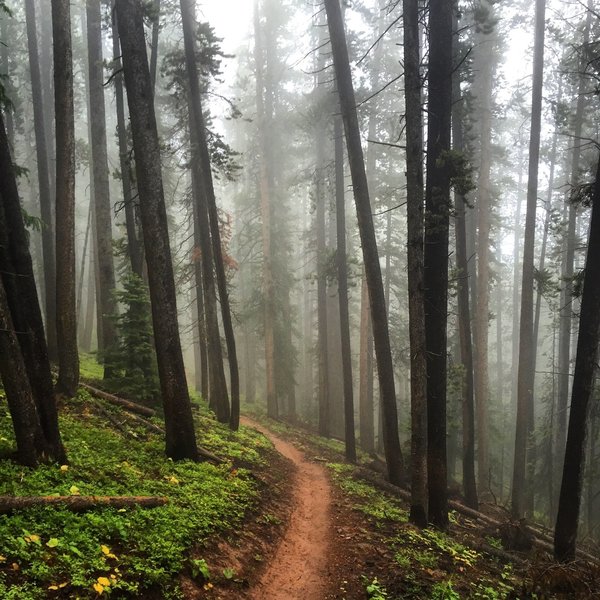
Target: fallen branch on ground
point(116, 400)
point(77, 503)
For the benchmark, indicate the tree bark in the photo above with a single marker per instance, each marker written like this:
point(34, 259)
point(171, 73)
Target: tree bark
point(566, 309)
point(66, 309)
point(464, 313)
point(526, 350)
point(367, 235)
point(565, 534)
point(264, 122)
point(10, 504)
point(342, 269)
point(437, 198)
point(26, 314)
point(366, 407)
point(43, 180)
point(205, 173)
point(107, 305)
point(179, 425)
point(483, 82)
point(416, 307)
point(134, 244)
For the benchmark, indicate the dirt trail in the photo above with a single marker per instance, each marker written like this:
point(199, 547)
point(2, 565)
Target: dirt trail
point(298, 570)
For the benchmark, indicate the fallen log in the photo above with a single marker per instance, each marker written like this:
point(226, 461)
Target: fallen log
point(144, 422)
point(116, 400)
point(79, 503)
point(118, 424)
point(156, 429)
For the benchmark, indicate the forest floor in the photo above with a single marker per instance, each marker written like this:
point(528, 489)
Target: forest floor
point(282, 516)
point(342, 535)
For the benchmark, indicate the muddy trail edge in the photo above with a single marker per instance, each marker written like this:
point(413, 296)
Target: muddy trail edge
point(298, 569)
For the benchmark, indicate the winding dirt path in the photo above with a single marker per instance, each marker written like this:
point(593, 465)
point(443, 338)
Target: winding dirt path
point(298, 570)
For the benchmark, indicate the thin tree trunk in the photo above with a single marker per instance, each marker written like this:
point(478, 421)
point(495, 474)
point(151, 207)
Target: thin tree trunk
point(526, 350)
point(464, 316)
point(264, 118)
point(368, 240)
point(416, 307)
point(566, 309)
point(43, 180)
point(66, 316)
point(179, 425)
point(342, 269)
point(565, 534)
point(200, 312)
point(366, 408)
point(107, 305)
point(134, 244)
point(90, 303)
point(154, 44)
point(203, 163)
point(484, 73)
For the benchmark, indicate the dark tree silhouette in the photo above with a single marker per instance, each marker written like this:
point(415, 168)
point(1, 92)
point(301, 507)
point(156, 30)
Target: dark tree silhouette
point(381, 336)
point(179, 424)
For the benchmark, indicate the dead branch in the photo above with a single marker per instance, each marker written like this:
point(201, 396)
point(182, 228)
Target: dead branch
point(78, 503)
point(128, 404)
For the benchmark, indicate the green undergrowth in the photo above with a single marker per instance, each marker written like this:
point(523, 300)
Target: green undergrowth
point(423, 563)
point(51, 552)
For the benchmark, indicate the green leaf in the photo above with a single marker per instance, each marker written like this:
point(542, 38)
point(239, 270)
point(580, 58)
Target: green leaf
point(52, 543)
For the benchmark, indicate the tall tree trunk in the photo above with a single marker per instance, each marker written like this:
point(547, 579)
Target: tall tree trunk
point(565, 534)
point(437, 198)
point(90, 303)
point(200, 312)
point(566, 310)
point(154, 44)
point(366, 408)
point(107, 305)
point(28, 433)
point(179, 424)
point(134, 243)
point(66, 316)
point(264, 117)
point(43, 180)
point(203, 163)
point(526, 350)
point(416, 307)
point(484, 74)
point(367, 235)
point(26, 314)
point(464, 316)
point(342, 269)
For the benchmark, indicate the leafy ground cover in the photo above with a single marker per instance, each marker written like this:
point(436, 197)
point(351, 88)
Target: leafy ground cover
point(50, 552)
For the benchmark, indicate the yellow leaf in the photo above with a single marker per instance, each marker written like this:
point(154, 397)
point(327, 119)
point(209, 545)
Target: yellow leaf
point(105, 549)
point(99, 588)
point(173, 480)
point(104, 581)
point(15, 567)
point(52, 587)
point(64, 468)
point(74, 490)
point(62, 585)
point(2, 558)
point(32, 539)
